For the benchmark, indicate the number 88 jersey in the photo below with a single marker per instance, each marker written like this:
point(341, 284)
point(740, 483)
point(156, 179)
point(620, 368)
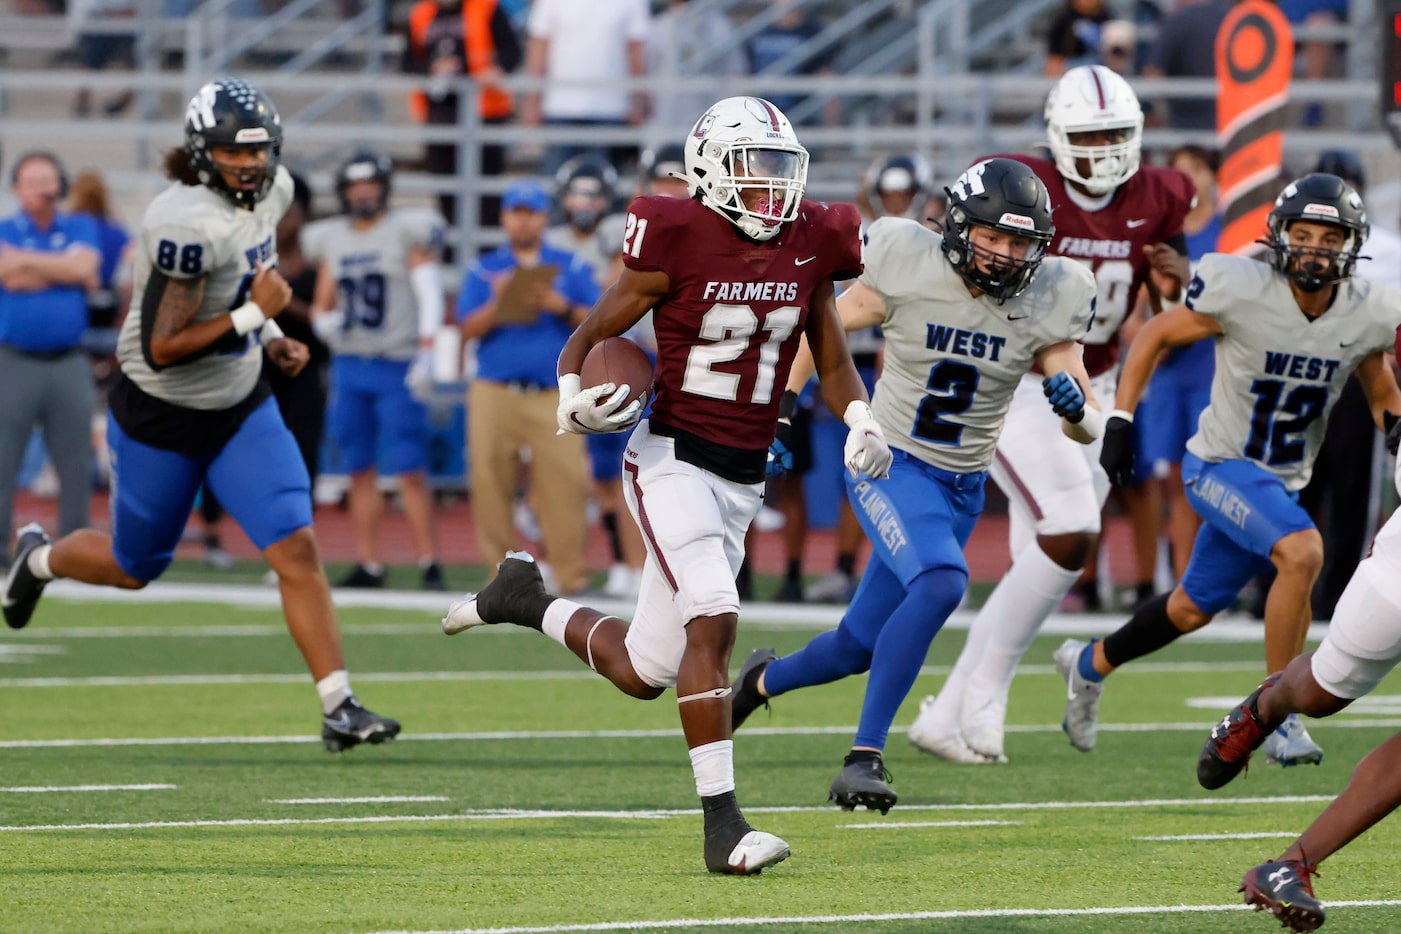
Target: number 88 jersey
point(729, 327)
point(952, 361)
point(188, 232)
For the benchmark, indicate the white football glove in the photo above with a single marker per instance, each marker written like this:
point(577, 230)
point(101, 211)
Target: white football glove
point(581, 413)
point(419, 378)
point(866, 451)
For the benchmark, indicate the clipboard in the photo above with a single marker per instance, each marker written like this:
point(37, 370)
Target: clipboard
point(512, 306)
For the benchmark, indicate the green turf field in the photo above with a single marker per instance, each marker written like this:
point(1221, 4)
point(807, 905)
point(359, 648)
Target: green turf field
point(159, 771)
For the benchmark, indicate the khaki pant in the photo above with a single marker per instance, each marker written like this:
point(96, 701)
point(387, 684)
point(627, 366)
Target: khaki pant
point(501, 421)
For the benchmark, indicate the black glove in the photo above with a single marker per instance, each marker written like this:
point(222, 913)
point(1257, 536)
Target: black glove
point(1116, 457)
point(1393, 430)
point(781, 451)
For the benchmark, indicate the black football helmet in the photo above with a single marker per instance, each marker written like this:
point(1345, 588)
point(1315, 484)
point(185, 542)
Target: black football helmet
point(592, 177)
point(1005, 195)
point(909, 174)
point(231, 112)
point(364, 166)
point(662, 161)
point(1321, 199)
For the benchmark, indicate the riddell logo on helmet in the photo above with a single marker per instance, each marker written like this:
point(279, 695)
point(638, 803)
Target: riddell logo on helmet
point(1020, 221)
point(254, 134)
point(1322, 210)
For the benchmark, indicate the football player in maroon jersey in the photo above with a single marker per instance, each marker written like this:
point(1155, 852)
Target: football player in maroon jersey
point(734, 275)
point(1124, 220)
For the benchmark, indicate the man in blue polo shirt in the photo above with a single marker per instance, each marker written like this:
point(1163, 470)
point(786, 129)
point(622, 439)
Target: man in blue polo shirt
point(48, 261)
point(520, 303)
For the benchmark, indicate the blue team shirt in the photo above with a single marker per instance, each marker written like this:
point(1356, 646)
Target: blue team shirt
point(48, 319)
point(1198, 359)
point(525, 352)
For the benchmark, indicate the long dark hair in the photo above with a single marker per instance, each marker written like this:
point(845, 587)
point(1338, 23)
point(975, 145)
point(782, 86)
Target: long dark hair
point(178, 166)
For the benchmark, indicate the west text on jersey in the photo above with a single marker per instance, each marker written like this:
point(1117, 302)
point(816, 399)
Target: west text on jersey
point(1300, 366)
point(947, 339)
point(259, 254)
point(751, 291)
point(885, 520)
point(352, 260)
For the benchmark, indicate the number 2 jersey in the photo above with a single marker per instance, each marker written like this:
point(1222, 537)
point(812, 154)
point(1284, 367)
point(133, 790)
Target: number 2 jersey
point(952, 361)
point(191, 231)
point(371, 270)
point(1278, 372)
point(729, 328)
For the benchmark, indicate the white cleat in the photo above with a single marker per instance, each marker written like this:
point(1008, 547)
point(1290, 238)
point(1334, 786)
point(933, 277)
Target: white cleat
point(462, 616)
point(755, 851)
point(984, 725)
point(1291, 744)
point(942, 740)
point(1081, 721)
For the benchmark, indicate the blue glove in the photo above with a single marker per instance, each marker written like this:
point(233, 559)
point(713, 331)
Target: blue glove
point(781, 451)
point(1066, 396)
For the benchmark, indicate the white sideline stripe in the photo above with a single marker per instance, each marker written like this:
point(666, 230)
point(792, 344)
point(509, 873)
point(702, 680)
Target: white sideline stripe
point(43, 789)
point(901, 825)
point(892, 916)
point(1224, 836)
point(775, 615)
point(380, 799)
point(656, 814)
point(612, 734)
point(570, 674)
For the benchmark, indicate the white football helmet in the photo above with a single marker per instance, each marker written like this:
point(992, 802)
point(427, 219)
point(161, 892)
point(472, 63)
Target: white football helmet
point(1087, 99)
point(746, 143)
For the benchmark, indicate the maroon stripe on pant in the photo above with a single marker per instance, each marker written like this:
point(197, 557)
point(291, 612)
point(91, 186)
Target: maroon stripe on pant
point(646, 524)
point(1022, 490)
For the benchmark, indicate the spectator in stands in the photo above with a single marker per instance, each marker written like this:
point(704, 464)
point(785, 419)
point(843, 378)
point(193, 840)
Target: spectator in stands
point(1074, 36)
point(49, 261)
point(573, 45)
point(1117, 45)
point(687, 42)
point(448, 39)
point(97, 49)
point(1342, 493)
point(107, 304)
point(521, 303)
point(774, 43)
point(1186, 48)
point(1319, 58)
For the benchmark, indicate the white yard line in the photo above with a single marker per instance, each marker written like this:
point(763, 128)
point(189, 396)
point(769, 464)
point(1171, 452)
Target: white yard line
point(45, 789)
point(903, 825)
point(1224, 836)
point(732, 923)
point(513, 735)
point(497, 814)
point(380, 799)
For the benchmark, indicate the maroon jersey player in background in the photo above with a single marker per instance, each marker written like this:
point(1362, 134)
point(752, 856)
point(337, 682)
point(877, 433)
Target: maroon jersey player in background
point(1125, 221)
point(735, 275)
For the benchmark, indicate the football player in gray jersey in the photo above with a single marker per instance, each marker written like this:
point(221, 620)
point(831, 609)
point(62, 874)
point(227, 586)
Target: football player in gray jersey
point(379, 305)
point(966, 315)
point(190, 408)
point(1289, 333)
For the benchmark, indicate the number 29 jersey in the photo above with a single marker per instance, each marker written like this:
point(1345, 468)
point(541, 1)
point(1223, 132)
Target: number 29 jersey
point(729, 328)
point(1279, 373)
point(190, 231)
point(952, 361)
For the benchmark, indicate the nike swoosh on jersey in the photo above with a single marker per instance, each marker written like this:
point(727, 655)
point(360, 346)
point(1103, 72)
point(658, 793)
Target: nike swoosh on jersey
point(803, 262)
point(1136, 223)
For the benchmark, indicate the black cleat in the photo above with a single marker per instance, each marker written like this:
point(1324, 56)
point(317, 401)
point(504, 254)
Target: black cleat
point(746, 698)
point(864, 782)
point(433, 577)
point(361, 578)
point(732, 846)
point(350, 725)
point(516, 595)
point(22, 587)
point(1227, 750)
point(1283, 889)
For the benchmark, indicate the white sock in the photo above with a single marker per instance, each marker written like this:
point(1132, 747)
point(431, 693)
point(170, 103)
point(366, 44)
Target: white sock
point(39, 563)
point(714, 767)
point(1013, 614)
point(557, 616)
point(334, 690)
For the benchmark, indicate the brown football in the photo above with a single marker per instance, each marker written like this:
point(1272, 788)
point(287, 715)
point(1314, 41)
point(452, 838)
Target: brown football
point(618, 360)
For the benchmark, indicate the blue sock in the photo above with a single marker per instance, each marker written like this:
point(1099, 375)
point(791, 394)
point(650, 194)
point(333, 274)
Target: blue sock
point(902, 646)
point(1087, 663)
point(828, 657)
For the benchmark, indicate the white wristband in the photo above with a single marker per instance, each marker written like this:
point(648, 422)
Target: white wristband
point(568, 386)
point(270, 331)
point(247, 318)
point(1122, 413)
point(1092, 422)
point(857, 411)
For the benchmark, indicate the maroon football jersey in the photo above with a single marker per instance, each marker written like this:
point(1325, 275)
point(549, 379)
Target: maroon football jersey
point(728, 330)
point(1146, 209)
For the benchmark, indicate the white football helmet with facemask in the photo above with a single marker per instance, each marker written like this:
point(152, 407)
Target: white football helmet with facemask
point(746, 144)
point(1087, 99)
